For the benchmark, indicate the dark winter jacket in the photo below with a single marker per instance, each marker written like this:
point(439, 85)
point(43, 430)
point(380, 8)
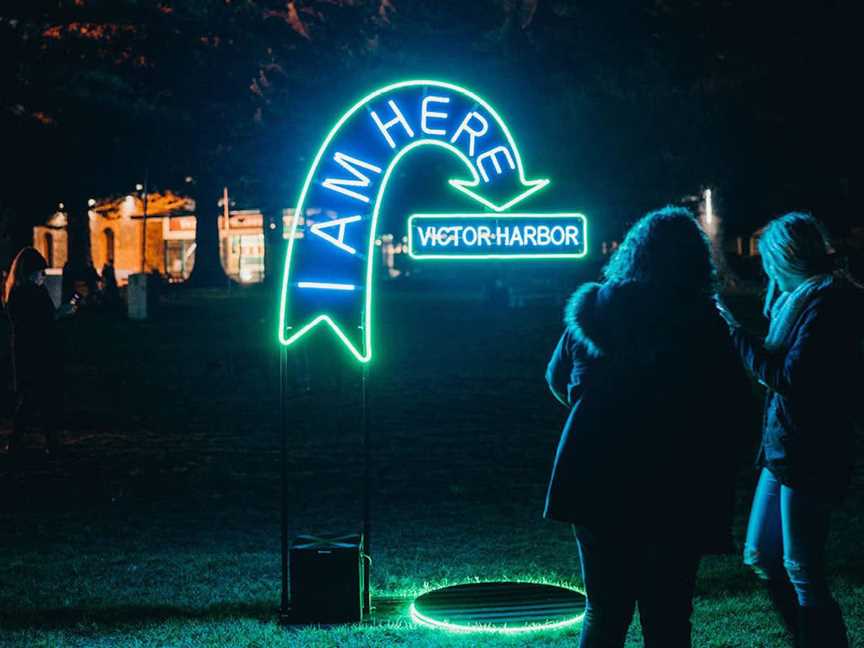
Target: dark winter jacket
point(814, 383)
point(657, 398)
point(35, 346)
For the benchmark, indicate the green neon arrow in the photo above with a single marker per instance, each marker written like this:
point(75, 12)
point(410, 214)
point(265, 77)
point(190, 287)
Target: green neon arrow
point(519, 188)
point(522, 189)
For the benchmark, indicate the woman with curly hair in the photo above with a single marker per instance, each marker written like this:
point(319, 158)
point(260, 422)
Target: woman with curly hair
point(812, 350)
point(645, 466)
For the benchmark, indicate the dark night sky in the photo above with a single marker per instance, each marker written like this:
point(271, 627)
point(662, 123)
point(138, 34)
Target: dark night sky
point(626, 107)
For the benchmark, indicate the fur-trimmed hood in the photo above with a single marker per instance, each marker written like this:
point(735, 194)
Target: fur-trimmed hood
point(631, 318)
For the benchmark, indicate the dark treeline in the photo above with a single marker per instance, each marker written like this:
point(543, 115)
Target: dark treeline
point(644, 102)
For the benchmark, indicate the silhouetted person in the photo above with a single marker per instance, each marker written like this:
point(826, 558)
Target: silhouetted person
point(110, 290)
point(646, 463)
point(154, 290)
point(36, 348)
point(8, 401)
point(811, 364)
point(92, 280)
point(67, 289)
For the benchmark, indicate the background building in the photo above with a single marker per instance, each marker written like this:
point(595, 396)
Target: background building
point(117, 235)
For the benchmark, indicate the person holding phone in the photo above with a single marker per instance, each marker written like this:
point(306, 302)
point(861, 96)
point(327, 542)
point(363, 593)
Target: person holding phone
point(811, 364)
point(645, 466)
point(36, 348)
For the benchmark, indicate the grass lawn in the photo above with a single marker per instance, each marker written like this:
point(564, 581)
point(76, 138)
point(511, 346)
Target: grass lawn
point(159, 525)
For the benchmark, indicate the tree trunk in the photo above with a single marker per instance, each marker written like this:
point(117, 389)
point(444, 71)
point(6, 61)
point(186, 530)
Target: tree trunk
point(78, 256)
point(78, 235)
point(207, 271)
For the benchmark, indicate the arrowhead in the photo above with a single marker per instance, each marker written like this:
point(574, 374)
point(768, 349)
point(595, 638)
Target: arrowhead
point(523, 188)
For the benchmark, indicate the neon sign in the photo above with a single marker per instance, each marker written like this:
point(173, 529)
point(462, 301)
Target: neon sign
point(329, 265)
point(496, 236)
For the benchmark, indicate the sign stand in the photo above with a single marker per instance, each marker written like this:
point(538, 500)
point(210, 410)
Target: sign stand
point(284, 607)
point(284, 397)
point(367, 488)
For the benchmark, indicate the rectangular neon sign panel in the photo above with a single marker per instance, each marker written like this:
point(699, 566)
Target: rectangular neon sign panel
point(497, 236)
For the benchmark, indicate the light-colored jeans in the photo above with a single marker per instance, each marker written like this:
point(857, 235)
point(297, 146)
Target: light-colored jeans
point(786, 538)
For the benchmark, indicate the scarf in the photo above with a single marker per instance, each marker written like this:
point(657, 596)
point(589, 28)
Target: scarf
point(787, 308)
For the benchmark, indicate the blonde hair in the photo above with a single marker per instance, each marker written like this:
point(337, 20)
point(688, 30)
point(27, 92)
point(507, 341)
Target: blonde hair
point(795, 244)
point(26, 262)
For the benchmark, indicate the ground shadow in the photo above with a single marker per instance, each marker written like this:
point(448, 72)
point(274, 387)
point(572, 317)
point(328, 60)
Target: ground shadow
point(132, 615)
point(386, 610)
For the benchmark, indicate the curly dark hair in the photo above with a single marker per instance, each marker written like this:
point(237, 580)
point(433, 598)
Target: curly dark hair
point(668, 249)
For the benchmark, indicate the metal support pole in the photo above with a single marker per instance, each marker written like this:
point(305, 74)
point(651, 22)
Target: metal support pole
point(284, 609)
point(367, 489)
point(144, 222)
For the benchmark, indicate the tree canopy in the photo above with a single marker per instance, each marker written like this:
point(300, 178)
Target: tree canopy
point(627, 105)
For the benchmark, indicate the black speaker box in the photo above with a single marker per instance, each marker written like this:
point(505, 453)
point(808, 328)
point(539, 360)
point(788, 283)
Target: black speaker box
point(327, 576)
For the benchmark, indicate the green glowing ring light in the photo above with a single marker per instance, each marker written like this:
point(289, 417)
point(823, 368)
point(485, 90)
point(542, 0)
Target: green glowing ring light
point(499, 607)
point(329, 266)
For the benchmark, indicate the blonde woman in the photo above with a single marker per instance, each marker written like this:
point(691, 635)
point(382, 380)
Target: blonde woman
point(809, 363)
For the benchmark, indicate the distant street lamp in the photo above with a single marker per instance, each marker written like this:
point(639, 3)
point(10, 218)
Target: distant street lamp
point(709, 208)
point(144, 222)
point(128, 206)
point(708, 218)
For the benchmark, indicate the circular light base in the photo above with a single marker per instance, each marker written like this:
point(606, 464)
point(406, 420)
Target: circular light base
point(499, 607)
